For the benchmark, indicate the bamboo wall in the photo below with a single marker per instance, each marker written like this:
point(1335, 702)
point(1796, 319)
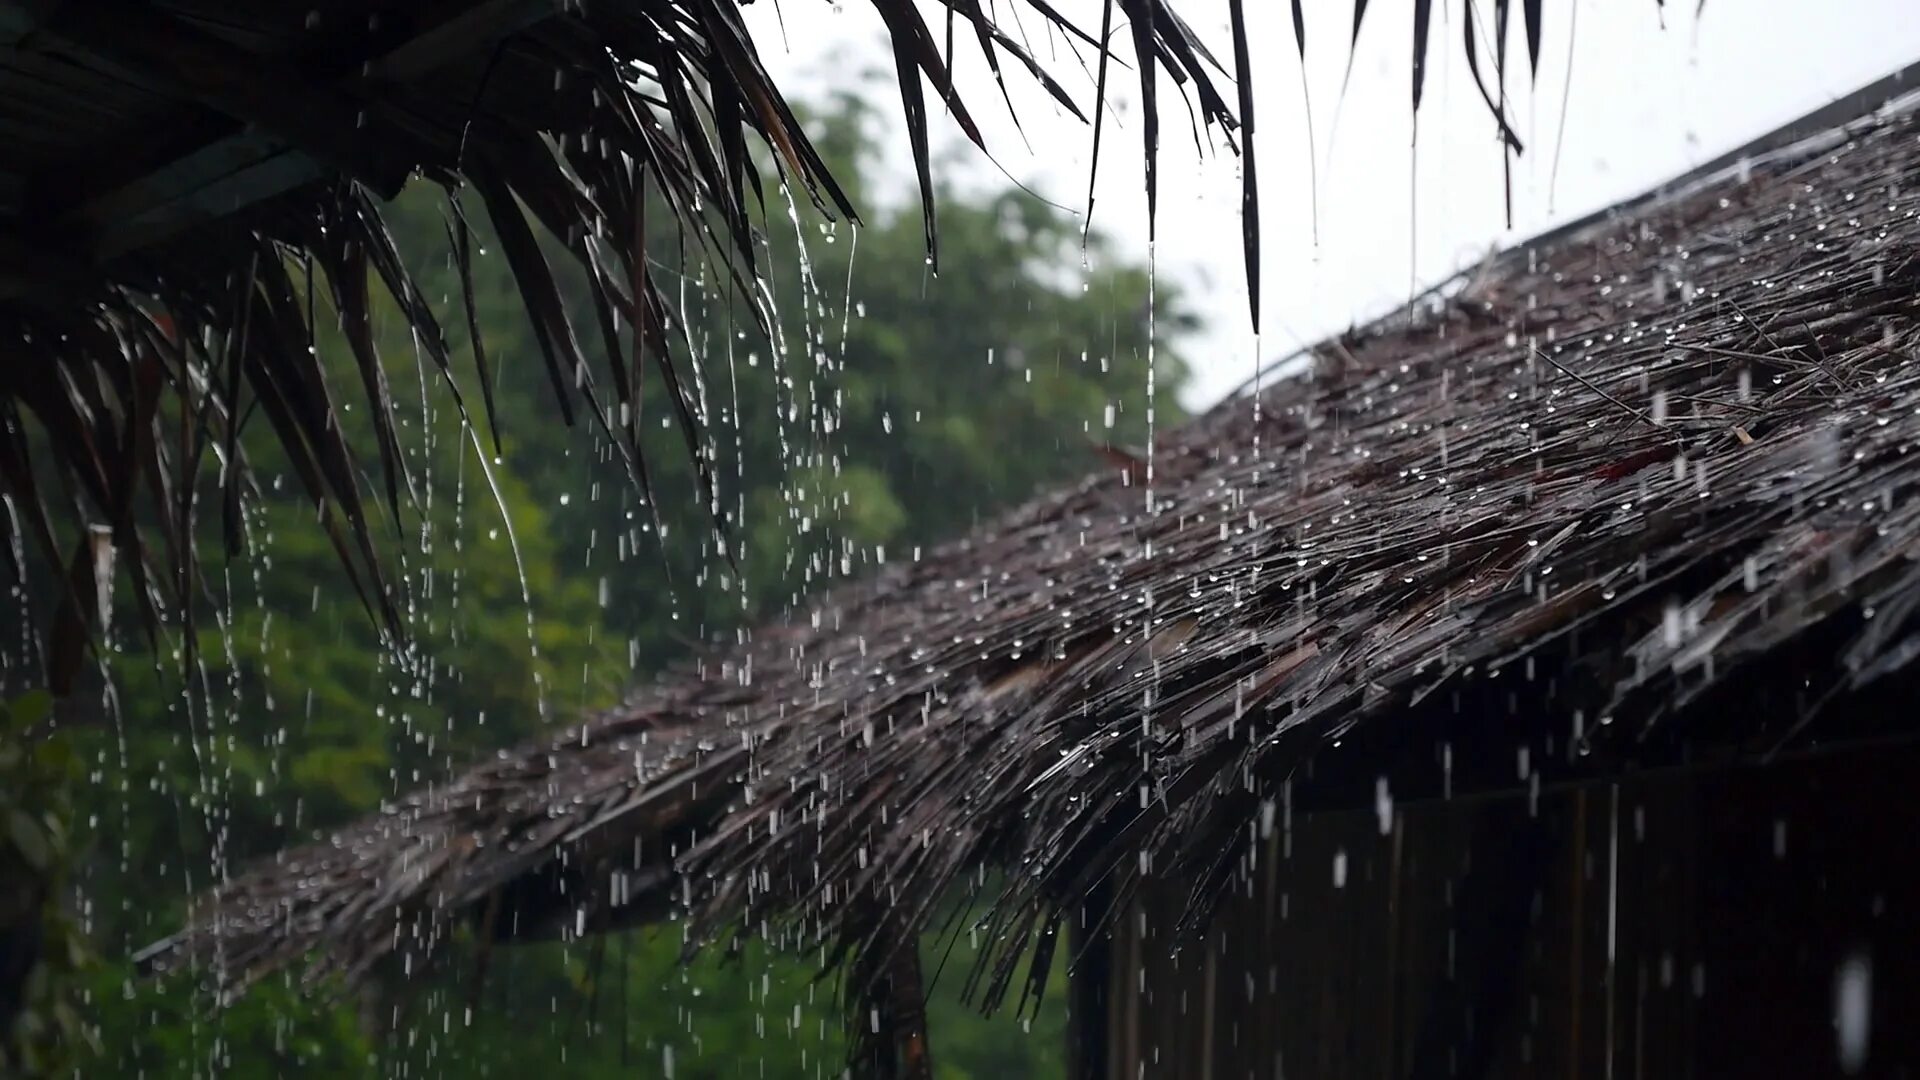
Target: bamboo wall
point(1669, 926)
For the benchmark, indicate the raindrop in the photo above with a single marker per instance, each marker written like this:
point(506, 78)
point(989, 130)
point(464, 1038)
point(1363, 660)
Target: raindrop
point(1853, 1010)
point(1670, 625)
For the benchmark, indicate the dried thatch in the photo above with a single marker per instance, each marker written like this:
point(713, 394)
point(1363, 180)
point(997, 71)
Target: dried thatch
point(1563, 503)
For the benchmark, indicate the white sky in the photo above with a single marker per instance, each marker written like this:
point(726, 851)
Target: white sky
point(1646, 103)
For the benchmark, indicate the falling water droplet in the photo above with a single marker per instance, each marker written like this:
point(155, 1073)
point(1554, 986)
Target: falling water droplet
point(1853, 1010)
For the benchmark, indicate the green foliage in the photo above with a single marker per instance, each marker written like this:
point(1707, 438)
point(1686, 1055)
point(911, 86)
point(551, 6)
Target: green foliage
point(626, 1006)
point(164, 1031)
point(888, 410)
point(41, 951)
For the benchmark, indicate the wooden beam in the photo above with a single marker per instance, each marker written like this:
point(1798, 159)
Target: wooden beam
point(18, 18)
point(275, 172)
point(891, 1030)
point(1090, 1020)
point(172, 180)
point(145, 45)
point(460, 35)
point(239, 164)
point(227, 175)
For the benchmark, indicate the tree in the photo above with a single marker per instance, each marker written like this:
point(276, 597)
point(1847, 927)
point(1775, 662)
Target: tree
point(40, 948)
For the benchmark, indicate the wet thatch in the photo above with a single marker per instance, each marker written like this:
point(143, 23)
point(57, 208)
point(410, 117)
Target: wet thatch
point(1585, 501)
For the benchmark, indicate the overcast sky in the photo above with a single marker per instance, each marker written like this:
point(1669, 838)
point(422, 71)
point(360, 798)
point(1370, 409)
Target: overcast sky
point(1646, 102)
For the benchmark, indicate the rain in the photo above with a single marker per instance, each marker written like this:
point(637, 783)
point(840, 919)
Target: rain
point(694, 538)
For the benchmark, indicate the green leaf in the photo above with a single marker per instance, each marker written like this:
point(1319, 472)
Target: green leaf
point(28, 840)
point(29, 709)
point(56, 758)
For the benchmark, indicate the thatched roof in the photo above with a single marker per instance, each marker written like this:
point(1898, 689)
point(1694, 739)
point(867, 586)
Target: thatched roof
point(181, 177)
point(1644, 492)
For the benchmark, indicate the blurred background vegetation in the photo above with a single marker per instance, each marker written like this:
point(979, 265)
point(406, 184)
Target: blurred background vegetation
point(891, 410)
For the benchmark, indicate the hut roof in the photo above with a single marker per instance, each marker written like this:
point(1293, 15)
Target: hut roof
point(1642, 493)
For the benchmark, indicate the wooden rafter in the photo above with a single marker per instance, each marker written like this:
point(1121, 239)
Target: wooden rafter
point(148, 47)
point(459, 35)
point(18, 18)
point(292, 133)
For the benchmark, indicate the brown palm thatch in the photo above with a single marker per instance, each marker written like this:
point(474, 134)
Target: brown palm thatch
point(1645, 492)
point(182, 177)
